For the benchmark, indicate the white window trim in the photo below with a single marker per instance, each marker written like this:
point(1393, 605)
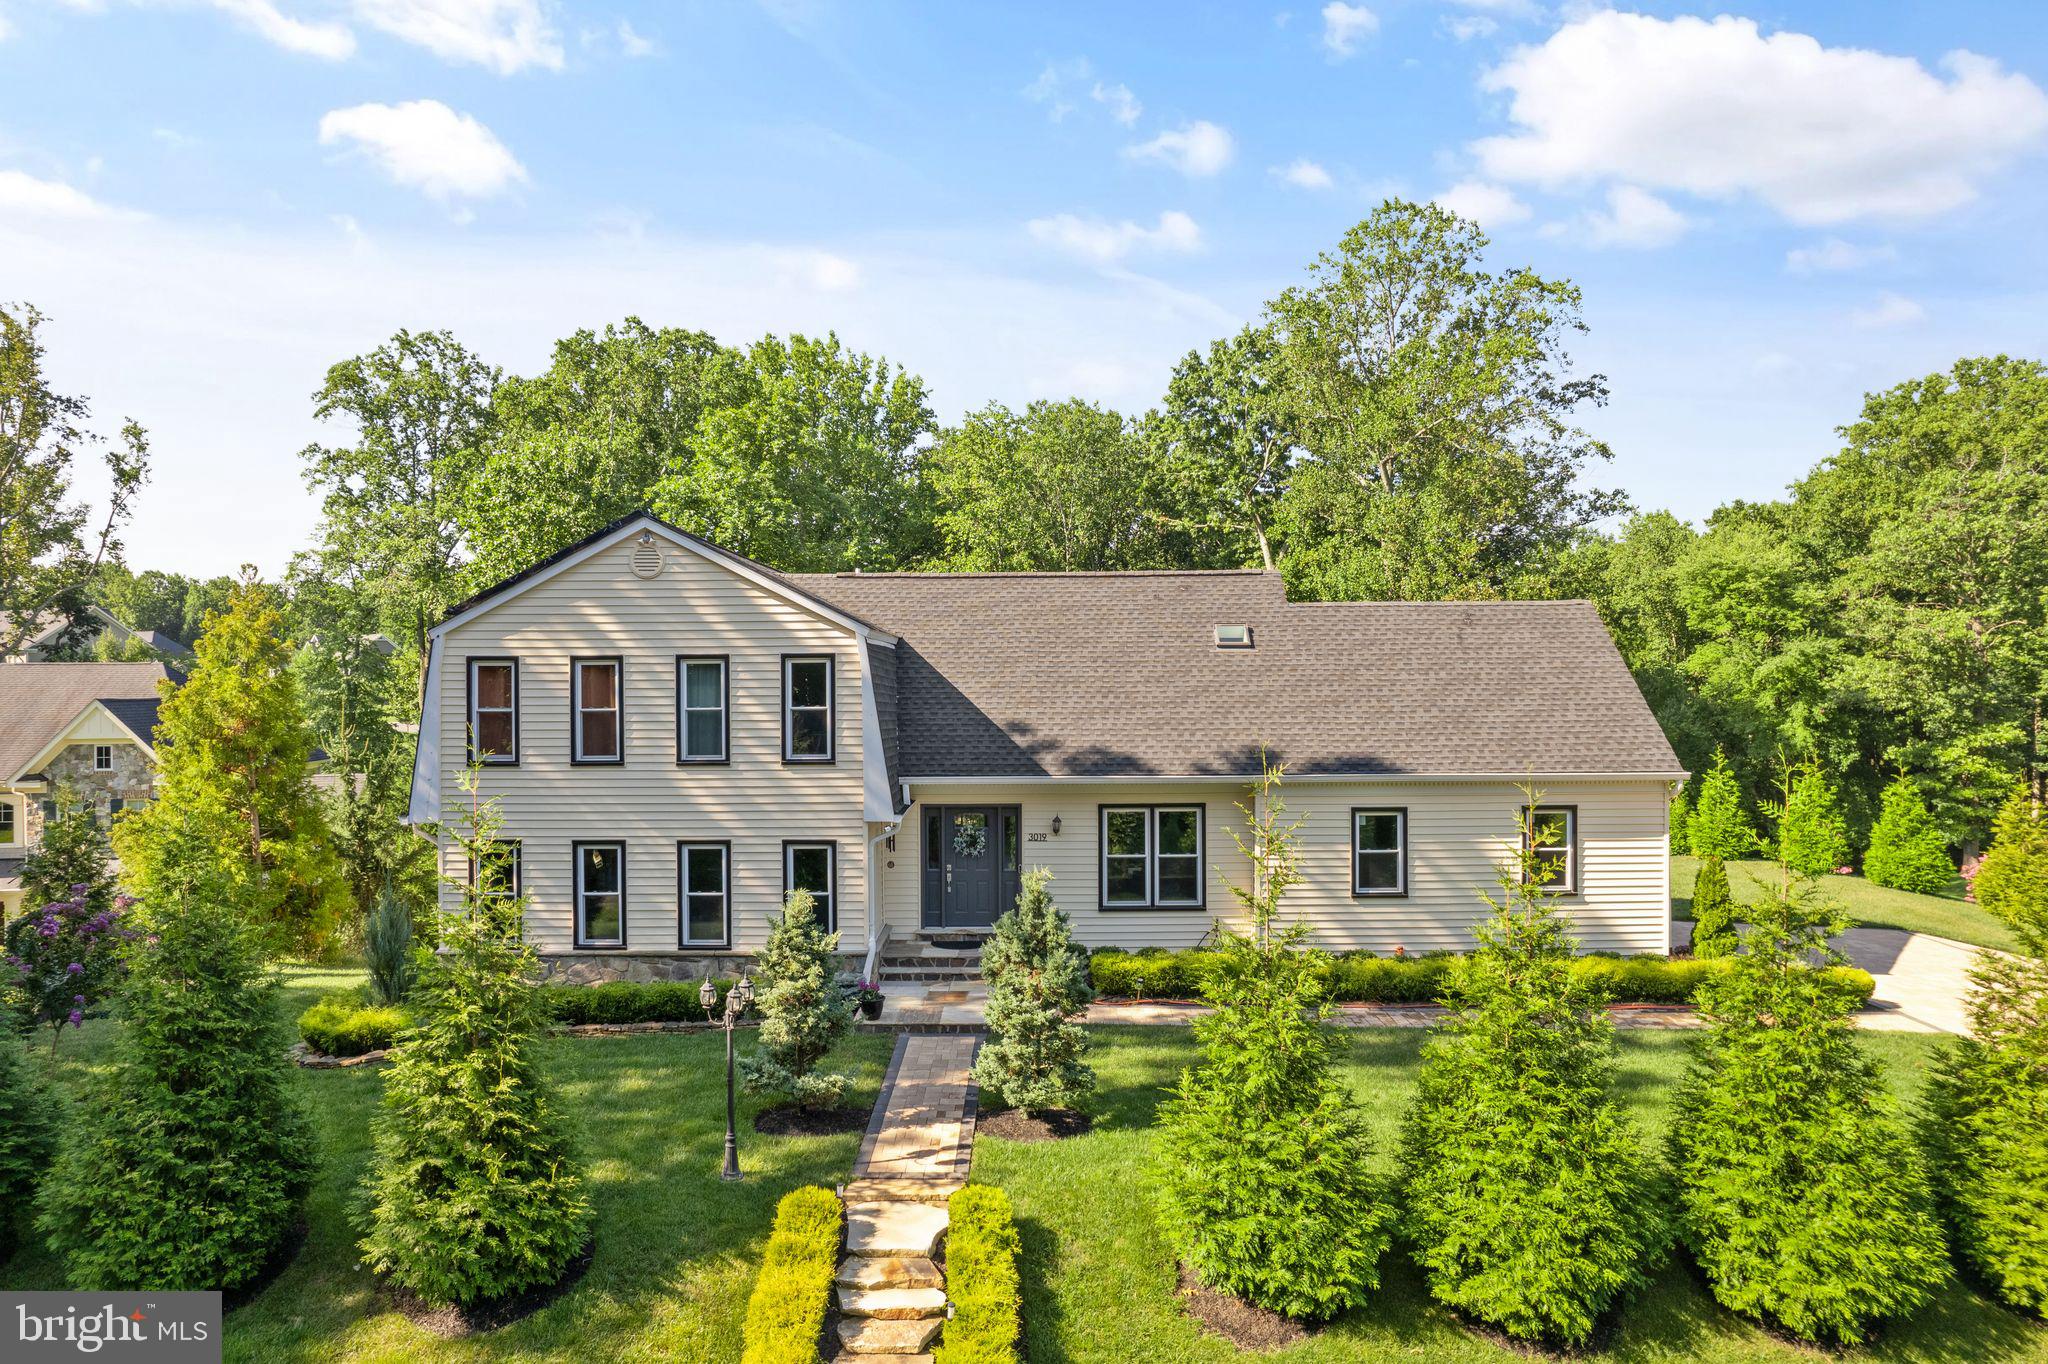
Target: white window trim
point(476, 709)
point(583, 939)
point(684, 710)
point(617, 710)
point(1359, 815)
point(684, 852)
point(518, 871)
point(789, 852)
point(789, 709)
point(1568, 884)
point(12, 823)
point(1151, 856)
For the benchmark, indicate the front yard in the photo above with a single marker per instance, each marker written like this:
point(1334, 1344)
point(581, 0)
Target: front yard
point(1947, 915)
point(676, 1250)
point(1098, 1280)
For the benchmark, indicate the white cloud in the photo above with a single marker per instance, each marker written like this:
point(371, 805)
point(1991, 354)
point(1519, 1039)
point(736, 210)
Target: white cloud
point(427, 146)
point(1890, 310)
point(1470, 26)
point(329, 40)
point(1123, 105)
point(1485, 204)
point(507, 36)
point(819, 270)
point(1051, 88)
point(1197, 150)
point(1105, 242)
point(1344, 25)
point(23, 194)
point(635, 45)
point(1835, 254)
point(1716, 108)
point(1634, 218)
point(1303, 173)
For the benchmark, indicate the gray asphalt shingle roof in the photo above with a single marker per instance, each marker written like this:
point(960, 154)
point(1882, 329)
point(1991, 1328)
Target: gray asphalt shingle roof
point(37, 700)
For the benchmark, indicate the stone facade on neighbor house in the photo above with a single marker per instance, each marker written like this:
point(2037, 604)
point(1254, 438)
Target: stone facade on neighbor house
point(76, 732)
point(674, 736)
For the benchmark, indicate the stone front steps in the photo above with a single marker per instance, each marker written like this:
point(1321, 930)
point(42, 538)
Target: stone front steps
point(891, 1294)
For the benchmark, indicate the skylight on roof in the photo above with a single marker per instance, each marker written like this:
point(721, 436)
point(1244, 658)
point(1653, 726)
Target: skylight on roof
point(1233, 636)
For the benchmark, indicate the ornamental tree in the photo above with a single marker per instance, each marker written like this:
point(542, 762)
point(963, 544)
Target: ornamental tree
point(1529, 1195)
point(1713, 912)
point(1037, 985)
point(187, 1163)
point(473, 1192)
point(1812, 839)
point(2012, 880)
point(1266, 1182)
point(1718, 827)
point(803, 1010)
point(1810, 1211)
point(1906, 851)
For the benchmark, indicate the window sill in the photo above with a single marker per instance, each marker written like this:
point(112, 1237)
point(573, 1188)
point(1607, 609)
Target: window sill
point(1201, 908)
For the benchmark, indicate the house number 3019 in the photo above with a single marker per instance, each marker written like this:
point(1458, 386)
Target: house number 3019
point(1036, 838)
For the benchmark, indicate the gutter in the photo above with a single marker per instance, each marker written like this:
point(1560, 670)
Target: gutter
point(878, 927)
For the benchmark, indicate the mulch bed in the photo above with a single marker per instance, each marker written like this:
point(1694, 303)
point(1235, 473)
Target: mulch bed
point(1046, 1125)
point(453, 1323)
point(280, 1260)
point(794, 1120)
point(1237, 1321)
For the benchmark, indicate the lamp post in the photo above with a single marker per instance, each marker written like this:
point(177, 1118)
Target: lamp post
point(736, 1001)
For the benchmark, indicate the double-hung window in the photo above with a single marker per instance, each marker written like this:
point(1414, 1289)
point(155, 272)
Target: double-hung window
point(494, 710)
point(7, 831)
point(814, 867)
point(701, 724)
point(600, 894)
point(807, 709)
point(1551, 832)
point(704, 890)
point(1379, 852)
point(1151, 856)
point(102, 757)
point(598, 724)
point(497, 877)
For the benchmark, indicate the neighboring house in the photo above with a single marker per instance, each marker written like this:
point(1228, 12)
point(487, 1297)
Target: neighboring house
point(53, 632)
point(675, 735)
point(83, 732)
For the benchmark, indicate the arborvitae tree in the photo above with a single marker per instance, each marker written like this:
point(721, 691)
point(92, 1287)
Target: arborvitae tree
point(387, 946)
point(1680, 833)
point(1037, 985)
point(187, 1162)
point(1529, 1194)
point(1812, 839)
point(1801, 1193)
point(473, 1192)
point(804, 1012)
point(1717, 826)
point(1266, 1184)
point(1986, 1116)
point(27, 1132)
point(1906, 851)
point(1713, 912)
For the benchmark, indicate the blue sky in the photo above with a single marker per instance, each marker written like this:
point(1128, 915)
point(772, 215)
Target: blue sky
point(1770, 211)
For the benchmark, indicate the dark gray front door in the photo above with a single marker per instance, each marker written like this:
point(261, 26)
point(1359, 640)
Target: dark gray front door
point(969, 852)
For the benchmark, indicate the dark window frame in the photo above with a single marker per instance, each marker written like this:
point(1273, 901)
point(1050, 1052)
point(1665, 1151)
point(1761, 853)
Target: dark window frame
point(1359, 890)
point(576, 666)
point(1574, 869)
point(1152, 905)
point(98, 749)
point(471, 756)
point(831, 753)
point(831, 846)
point(684, 943)
point(518, 867)
point(576, 895)
point(683, 756)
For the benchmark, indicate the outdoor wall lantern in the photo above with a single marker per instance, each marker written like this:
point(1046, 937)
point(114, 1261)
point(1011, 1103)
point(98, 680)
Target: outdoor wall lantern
point(737, 1001)
point(1055, 826)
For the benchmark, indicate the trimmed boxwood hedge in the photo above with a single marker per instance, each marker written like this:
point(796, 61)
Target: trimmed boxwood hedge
point(981, 1278)
point(622, 1001)
point(343, 1025)
point(1363, 978)
point(786, 1314)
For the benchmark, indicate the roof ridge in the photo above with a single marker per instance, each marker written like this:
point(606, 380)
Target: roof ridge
point(854, 575)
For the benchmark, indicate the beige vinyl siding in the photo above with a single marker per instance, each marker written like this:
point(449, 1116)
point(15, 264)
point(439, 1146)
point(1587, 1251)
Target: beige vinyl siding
point(1459, 833)
point(756, 801)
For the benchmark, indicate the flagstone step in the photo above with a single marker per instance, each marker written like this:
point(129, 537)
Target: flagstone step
point(892, 1304)
point(867, 1336)
point(901, 1230)
point(843, 1357)
point(903, 1189)
point(913, 1271)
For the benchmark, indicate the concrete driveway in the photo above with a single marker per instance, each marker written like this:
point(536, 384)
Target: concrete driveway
point(1922, 980)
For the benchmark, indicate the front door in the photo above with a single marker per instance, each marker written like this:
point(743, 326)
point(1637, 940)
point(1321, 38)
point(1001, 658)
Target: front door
point(968, 850)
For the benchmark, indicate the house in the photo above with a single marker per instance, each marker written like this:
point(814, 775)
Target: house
point(56, 632)
point(82, 732)
point(675, 735)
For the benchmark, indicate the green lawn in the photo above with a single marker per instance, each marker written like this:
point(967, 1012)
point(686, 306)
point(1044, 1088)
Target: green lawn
point(1946, 915)
point(676, 1249)
point(1098, 1279)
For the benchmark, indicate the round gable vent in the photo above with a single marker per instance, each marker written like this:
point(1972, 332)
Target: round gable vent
point(647, 558)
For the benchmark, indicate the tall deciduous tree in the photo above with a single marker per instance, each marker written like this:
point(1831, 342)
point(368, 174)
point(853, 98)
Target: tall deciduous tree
point(1435, 405)
point(232, 746)
point(1229, 439)
point(51, 547)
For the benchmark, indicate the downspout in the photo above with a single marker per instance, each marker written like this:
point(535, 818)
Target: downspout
point(878, 926)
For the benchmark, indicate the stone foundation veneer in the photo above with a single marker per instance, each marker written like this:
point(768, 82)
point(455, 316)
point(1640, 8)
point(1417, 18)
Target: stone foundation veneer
point(595, 968)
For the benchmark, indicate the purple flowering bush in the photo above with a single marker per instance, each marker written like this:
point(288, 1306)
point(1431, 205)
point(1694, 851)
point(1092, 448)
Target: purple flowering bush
point(64, 958)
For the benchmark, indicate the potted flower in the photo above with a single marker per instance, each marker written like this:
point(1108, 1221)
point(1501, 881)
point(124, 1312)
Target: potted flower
point(868, 996)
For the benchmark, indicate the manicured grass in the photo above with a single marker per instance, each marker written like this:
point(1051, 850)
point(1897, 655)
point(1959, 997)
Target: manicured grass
point(1947, 915)
point(676, 1249)
point(1098, 1277)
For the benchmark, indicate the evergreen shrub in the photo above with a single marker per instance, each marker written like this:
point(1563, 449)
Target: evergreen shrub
point(1906, 851)
point(1713, 912)
point(786, 1311)
point(804, 1011)
point(982, 1282)
point(1037, 985)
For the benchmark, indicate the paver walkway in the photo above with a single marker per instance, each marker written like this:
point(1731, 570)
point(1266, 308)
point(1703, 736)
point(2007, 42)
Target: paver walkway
point(916, 1153)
